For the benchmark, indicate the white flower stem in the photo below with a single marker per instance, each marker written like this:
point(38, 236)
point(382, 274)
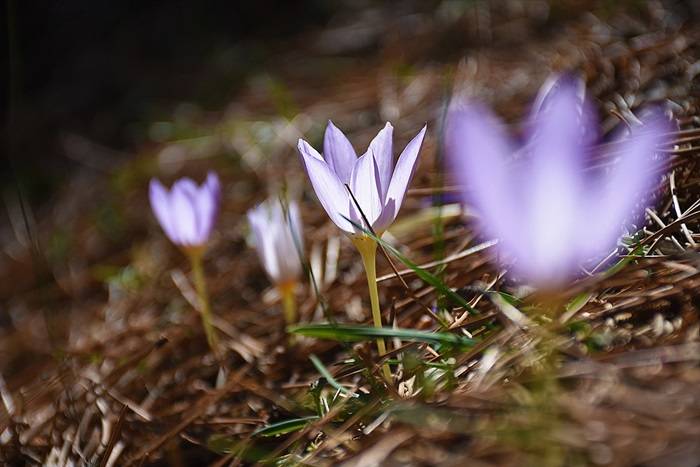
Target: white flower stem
point(204, 308)
point(368, 251)
point(289, 304)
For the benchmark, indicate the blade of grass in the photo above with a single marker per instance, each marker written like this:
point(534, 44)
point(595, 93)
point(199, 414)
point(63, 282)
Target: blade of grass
point(331, 380)
point(620, 265)
point(357, 333)
point(575, 305)
point(285, 426)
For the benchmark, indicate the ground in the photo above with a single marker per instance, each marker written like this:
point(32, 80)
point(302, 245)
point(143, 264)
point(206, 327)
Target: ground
point(103, 360)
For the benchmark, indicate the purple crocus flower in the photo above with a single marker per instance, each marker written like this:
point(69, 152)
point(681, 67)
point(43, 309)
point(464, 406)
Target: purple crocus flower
point(549, 213)
point(187, 212)
point(276, 238)
point(378, 186)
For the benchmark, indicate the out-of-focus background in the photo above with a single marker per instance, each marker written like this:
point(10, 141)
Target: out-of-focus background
point(78, 71)
point(100, 96)
point(90, 85)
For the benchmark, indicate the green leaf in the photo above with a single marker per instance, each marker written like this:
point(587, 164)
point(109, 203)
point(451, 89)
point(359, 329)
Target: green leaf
point(329, 377)
point(285, 426)
point(576, 303)
point(619, 265)
point(357, 333)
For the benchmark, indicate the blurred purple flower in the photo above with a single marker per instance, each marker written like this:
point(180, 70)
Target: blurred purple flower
point(276, 238)
point(378, 186)
point(187, 212)
point(548, 213)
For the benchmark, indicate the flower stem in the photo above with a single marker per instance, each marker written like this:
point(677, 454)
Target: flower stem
point(289, 304)
point(204, 308)
point(368, 251)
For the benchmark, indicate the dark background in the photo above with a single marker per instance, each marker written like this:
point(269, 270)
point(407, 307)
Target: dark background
point(104, 69)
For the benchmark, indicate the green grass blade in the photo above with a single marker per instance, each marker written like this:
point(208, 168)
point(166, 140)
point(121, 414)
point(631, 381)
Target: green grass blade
point(357, 333)
point(331, 380)
point(285, 426)
point(620, 264)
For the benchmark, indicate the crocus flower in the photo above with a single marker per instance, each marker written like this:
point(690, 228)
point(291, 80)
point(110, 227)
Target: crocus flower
point(549, 213)
point(187, 212)
point(276, 238)
point(378, 186)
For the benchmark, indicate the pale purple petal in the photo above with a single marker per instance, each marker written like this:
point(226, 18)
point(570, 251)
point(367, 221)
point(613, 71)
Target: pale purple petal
point(338, 152)
point(285, 245)
point(477, 149)
point(197, 198)
point(305, 149)
point(554, 84)
point(365, 187)
point(295, 226)
point(183, 196)
point(160, 203)
point(274, 241)
point(204, 200)
point(570, 89)
point(208, 199)
point(556, 138)
point(186, 212)
point(556, 186)
point(621, 196)
point(551, 84)
point(381, 147)
point(403, 173)
point(258, 224)
point(329, 189)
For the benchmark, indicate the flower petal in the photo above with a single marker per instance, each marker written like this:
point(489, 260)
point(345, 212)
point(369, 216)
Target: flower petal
point(160, 203)
point(381, 147)
point(208, 198)
point(403, 173)
point(621, 196)
point(329, 190)
point(563, 96)
point(338, 152)
point(557, 182)
point(294, 224)
point(183, 202)
point(477, 149)
point(285, 243)
point(257, 217)
point(365, 187)
point(274, 241)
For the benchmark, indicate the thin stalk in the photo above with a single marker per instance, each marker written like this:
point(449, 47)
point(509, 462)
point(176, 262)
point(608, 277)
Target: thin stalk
point(545, 415)
point(368, 251)
point(204, 308)
point(289, 304)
